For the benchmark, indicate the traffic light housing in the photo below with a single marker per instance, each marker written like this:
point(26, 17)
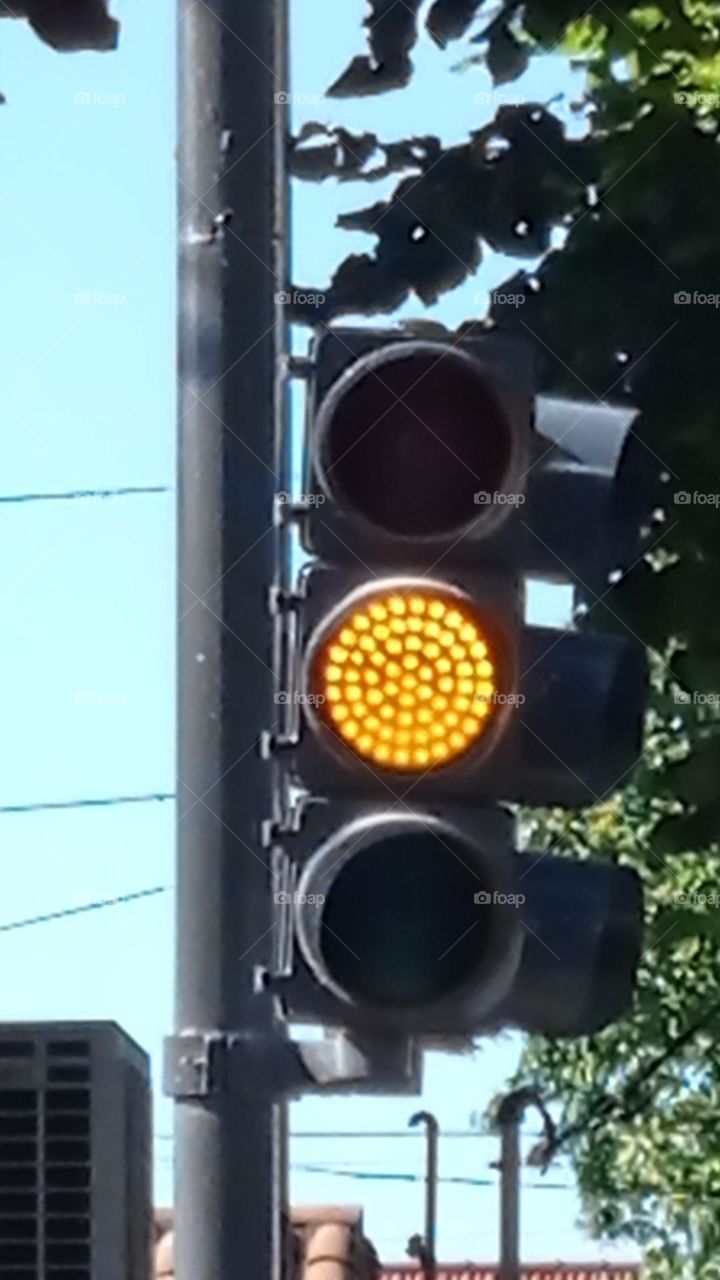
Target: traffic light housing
point(390, 473)
point(419, 881)
point(417, 447)
point(418, 702)
point(404, 923)
point(547, 717)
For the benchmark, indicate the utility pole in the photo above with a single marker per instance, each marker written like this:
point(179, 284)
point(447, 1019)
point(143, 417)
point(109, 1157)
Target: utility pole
point(229, 1132)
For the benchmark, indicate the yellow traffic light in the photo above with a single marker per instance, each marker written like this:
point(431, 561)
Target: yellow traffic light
point(407, 676)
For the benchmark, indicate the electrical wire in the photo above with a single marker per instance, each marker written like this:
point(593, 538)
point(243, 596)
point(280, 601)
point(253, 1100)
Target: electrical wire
point(74, 495)
point(377, 1176)
point(384, 1134)
point(86, 906)
point(102, 802)
point(397, 1133)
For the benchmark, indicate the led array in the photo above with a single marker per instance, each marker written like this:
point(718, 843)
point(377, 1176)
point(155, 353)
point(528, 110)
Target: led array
point(408, 680)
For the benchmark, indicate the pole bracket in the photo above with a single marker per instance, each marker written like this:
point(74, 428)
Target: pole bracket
point(200, 1065)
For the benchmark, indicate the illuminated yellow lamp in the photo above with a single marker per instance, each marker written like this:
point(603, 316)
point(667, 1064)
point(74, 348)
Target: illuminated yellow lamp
point(408, 677)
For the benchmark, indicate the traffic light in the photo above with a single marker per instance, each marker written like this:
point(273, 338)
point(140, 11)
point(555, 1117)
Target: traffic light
point(417, 698)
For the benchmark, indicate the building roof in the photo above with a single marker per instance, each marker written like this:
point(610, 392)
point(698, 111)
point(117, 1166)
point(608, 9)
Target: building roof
point(328, 1244)
point(532, 1271)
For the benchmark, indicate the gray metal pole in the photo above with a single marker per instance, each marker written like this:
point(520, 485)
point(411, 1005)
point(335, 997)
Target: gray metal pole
point(510, 1196)
point(510, 1115)
point(228, 1143)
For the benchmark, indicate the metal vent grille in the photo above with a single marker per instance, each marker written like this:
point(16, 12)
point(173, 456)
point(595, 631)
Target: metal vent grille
point(67, 1157)
point(45, 1163)
point(20, 1122)
point(138, 1172)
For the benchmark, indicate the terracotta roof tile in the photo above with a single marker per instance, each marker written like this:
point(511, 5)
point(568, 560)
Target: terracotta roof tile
point(328, 1244)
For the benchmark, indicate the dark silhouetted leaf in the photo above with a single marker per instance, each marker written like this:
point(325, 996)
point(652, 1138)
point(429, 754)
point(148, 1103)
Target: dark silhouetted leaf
point(506, 57)
point(450, 19)
point(73, 24)
point(362, 79)
point(392, 32)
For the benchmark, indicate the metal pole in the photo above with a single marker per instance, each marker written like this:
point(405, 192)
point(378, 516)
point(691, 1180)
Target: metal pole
point(510, 1193)
point(431, 1186)
point(228, 1143)
point(510, 1116)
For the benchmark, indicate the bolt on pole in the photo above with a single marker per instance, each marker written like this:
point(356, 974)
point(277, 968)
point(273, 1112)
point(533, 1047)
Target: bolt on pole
point(229, 1144)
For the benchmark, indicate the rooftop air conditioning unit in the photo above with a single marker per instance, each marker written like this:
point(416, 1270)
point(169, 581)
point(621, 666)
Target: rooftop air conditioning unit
point(75, 1153)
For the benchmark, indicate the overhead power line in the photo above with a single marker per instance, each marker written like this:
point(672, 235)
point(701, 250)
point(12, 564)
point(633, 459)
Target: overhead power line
point(377, 1176)
point(100, 802)
point(383, 1134)
point(74, 495)
point(392, 1133)
point(86, 906)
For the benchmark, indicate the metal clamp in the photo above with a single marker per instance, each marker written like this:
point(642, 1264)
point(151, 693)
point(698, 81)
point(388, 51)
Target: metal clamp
point(192, 1064)
point(198, 1065)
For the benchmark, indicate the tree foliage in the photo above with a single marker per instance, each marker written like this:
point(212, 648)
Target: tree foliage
point(638, 198)
point(640, 1102)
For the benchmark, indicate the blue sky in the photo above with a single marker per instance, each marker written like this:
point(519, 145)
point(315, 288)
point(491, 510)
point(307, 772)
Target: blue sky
point(87, 642)
point(87, 401)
